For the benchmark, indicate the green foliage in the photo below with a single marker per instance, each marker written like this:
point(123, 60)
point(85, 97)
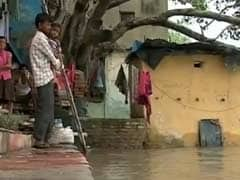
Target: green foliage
point(200, 4)
point(177, 37)
point(12, 122)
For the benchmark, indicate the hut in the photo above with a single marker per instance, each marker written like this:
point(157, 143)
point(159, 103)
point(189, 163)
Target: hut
point(195, 97)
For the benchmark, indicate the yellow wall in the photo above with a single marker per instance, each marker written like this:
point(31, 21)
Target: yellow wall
point(175, 123)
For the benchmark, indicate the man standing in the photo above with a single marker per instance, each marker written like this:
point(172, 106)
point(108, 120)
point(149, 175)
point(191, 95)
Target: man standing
point(42, 60)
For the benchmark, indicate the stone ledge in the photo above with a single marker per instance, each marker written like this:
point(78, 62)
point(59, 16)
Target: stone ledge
point(13, 141)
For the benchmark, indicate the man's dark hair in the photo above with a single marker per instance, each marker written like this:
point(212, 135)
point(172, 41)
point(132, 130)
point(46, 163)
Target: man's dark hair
point(57, 25)
point(3, 37)
point(41, 18)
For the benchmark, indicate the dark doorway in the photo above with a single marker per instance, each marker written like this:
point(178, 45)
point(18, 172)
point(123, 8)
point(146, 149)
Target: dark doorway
point(210, 133)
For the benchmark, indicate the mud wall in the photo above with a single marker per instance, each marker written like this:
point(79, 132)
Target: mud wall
point(184, 93)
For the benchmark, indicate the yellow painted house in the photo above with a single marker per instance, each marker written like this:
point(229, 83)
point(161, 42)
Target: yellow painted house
point(196, 93)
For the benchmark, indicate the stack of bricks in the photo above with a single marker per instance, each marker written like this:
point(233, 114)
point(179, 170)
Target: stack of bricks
point(80, 86)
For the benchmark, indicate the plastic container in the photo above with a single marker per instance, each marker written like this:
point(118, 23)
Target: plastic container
point(58, 123)
point(68, 136)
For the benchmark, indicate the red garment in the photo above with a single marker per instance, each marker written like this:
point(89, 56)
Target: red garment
point(59, 78)
point(5, 57)
point(144, 91)
point(71, 73)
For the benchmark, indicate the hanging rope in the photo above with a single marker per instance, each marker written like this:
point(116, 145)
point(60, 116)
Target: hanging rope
point(192, 107)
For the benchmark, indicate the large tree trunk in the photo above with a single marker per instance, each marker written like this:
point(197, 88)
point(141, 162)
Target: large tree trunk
point(82, 23)
point(82, 31)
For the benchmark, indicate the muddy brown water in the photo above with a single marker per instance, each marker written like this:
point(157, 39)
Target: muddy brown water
point(169, 164)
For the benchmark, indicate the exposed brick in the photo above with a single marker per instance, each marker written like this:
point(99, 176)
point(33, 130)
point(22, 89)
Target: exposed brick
point(112, 133)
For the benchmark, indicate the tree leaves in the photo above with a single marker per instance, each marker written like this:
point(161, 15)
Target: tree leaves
point(200, 4)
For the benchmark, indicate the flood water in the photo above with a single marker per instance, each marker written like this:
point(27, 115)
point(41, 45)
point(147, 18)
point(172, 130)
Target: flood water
point(170, 164)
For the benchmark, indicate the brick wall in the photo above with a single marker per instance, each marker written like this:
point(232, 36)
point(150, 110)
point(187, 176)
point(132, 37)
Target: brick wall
point(112, 133)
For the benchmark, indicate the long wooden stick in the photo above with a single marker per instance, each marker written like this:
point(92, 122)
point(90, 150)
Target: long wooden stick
point(76, 118)
point(77, 121)
point(75, 114)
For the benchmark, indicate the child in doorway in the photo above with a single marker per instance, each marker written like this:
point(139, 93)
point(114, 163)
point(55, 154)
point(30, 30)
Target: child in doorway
point(6, 84)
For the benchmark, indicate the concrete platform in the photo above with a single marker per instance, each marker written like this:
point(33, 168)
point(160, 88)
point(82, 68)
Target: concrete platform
point(13, 141)
point(50, 164)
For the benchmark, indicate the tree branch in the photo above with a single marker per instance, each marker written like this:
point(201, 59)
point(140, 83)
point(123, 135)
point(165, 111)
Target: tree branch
point(184, 30)
point(202, 29)
point(96, 9)
point(116, 3)
point(219, 35)
point(94, 12)
point(185, 1)
point(202, 14)
point(220, 13)
point(99, 9)
point(123, 27)
point(197, 36)
point(161, 20)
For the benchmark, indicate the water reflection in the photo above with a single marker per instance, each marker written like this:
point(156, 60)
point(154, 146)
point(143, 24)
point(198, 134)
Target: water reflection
point(171, 164)
point(211, 163)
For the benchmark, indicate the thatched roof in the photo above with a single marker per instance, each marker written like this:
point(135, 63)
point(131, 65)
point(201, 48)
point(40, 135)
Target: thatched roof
point(153, 51)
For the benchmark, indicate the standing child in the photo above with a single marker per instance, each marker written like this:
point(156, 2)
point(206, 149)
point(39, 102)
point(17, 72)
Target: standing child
point(54, 41)
point(55, 44)
point(6, 83)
